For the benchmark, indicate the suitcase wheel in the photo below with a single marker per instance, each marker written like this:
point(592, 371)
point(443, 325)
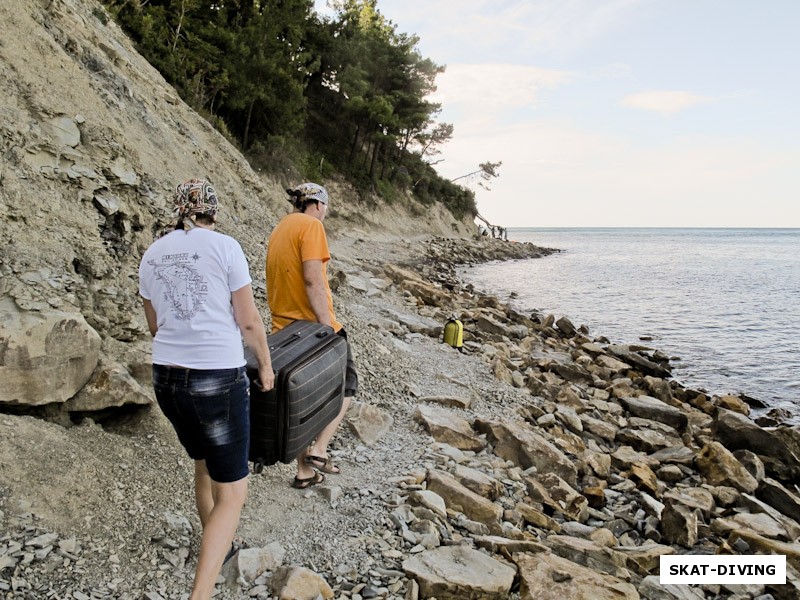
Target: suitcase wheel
point(258, 467)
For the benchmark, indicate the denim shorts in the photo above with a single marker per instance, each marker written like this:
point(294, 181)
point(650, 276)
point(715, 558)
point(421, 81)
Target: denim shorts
point(210, 411)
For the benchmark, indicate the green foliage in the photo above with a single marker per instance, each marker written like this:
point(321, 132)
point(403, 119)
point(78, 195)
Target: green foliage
point(305, 96)
point(316, 168)
point(243, 60)
point(430, 188)
point(99, 14)
point(217, 123)
point(289, 159)
point(387, 191)
point(278, 156)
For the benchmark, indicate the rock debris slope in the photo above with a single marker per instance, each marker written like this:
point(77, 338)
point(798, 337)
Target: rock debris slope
point(93, 142)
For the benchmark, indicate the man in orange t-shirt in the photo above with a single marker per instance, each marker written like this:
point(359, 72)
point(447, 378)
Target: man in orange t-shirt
point(297, 289)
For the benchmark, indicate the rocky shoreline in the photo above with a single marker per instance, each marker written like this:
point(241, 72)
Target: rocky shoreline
point(615, 463)
point(539, 463)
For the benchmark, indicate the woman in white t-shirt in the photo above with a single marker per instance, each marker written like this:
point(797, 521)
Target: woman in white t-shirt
point(198, 301)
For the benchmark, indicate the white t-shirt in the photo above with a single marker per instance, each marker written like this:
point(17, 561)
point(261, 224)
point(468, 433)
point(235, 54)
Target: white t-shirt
point(188, 277)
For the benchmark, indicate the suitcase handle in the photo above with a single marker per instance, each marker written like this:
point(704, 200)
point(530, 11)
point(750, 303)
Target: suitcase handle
point(291, 340)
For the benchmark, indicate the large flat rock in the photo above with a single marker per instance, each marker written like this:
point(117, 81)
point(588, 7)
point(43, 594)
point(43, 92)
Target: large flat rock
point(45, 357)
point(654, 409)
point(460, 573)
point(547, 576)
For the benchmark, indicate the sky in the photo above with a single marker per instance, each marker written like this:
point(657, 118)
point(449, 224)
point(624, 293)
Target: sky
point(619, 113)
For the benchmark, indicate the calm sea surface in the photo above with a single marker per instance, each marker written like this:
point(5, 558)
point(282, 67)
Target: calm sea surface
point(725, 301)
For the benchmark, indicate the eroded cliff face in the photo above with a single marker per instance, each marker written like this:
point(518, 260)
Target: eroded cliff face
point(93, 142)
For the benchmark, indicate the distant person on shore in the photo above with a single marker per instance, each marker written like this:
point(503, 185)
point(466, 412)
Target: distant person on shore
point(198, 302)
point(297, 289)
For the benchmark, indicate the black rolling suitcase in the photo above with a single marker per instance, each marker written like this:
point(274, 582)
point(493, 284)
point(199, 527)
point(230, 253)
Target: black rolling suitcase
point(309, 361)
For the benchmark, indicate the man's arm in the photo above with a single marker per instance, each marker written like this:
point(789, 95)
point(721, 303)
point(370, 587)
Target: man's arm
point(249, 321)
point(317, 292)
point(150, 315)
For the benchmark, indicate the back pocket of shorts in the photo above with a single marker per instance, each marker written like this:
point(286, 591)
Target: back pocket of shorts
point(212, 409)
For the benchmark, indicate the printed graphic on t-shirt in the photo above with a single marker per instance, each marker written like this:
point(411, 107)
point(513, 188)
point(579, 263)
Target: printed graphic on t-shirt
point(185, 288)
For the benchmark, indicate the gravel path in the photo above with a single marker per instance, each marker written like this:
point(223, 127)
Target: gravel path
point(115, 502)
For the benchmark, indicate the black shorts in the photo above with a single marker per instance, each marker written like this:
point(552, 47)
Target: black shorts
point(351, 377)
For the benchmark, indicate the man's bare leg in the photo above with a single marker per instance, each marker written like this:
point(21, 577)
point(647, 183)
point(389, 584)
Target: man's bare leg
point(323, 439)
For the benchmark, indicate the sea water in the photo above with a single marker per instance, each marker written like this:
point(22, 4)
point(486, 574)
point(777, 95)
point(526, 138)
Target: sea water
point(724, 303)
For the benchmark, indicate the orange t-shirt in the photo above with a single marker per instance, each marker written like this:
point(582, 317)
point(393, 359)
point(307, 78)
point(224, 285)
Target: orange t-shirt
point(296, 239)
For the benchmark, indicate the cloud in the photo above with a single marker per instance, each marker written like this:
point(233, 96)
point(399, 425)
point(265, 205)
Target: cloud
point(611, 71)
point(665, 102)
point(490, 28)
point(556, 25)
point(491, 89)
point(556, 174)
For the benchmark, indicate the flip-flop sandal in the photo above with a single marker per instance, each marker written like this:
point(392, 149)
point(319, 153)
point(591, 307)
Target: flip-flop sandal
point(236, 545)
point(302, 484)
point(323, 464)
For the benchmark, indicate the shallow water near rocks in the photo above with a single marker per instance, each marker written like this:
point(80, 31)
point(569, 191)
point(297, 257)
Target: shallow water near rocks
point(725, 301)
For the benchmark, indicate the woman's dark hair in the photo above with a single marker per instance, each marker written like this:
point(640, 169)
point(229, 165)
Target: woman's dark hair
point(202, 218)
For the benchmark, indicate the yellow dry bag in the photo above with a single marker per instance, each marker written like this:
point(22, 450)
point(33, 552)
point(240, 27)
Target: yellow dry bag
point(454, 333)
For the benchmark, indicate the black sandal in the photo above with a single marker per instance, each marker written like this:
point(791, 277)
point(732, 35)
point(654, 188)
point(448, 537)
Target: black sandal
point(302, 484)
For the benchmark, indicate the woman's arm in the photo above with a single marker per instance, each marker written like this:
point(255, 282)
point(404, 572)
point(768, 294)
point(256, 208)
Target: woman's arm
point(252, 327)
point(150, 315)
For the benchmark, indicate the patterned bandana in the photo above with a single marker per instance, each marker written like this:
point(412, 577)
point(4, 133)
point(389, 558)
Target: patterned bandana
point(194, 197)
